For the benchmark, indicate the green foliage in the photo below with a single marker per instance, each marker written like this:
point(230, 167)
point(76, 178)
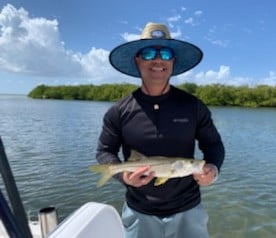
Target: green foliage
point(215, 94)
point(105, 92)
point(189, 87)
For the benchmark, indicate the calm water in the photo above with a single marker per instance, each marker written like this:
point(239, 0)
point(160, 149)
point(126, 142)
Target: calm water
point(50, 145)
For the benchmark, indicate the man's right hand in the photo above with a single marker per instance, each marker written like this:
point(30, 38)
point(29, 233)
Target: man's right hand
point(138, 178)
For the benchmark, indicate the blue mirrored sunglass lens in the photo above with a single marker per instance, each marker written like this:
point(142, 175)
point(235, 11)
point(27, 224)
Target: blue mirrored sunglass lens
point(148, 53)
point(166, 54)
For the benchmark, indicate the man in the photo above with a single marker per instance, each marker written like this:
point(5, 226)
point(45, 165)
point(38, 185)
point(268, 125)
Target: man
point(160, 120)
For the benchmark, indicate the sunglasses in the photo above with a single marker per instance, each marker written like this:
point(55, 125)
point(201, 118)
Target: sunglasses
point(150, 53)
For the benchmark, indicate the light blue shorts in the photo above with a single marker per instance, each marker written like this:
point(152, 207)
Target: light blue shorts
point(188, 224)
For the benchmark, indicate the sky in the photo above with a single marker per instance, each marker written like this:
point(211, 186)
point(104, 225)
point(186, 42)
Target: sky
point(62, 42)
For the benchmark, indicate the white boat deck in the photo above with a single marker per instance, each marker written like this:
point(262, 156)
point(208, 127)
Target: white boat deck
point(34, 227)
point(90, 220)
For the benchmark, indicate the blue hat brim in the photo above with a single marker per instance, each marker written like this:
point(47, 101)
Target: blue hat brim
point(186, 54)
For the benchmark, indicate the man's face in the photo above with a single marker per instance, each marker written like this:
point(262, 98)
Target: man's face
point(152, 67)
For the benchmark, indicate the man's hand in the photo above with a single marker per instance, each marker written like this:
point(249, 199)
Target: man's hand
point(209, 175)
point(138, 178)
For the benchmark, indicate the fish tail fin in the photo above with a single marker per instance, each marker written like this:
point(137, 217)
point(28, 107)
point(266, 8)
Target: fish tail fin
point(105, 173)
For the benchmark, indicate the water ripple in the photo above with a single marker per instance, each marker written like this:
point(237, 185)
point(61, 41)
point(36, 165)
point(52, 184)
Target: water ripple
point(50, 145)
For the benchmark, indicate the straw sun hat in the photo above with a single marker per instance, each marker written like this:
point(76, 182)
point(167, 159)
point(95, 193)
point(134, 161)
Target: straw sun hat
point(186, 54)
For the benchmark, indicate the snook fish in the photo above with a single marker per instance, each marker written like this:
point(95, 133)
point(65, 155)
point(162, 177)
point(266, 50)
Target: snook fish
point(164, 167)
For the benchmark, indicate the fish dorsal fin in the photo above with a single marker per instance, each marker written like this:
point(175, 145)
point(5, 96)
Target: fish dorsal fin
point(136, 156)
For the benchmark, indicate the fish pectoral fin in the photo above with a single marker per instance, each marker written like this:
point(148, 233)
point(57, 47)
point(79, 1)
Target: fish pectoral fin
point(160, 180)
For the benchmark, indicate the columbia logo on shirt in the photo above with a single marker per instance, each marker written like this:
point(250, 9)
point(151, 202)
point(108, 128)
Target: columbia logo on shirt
point(180, 120)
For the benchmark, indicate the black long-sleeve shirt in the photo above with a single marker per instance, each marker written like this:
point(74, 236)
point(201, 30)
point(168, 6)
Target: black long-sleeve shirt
point(167, 125)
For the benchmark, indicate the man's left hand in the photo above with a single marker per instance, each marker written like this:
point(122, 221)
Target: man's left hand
point(209, 175)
